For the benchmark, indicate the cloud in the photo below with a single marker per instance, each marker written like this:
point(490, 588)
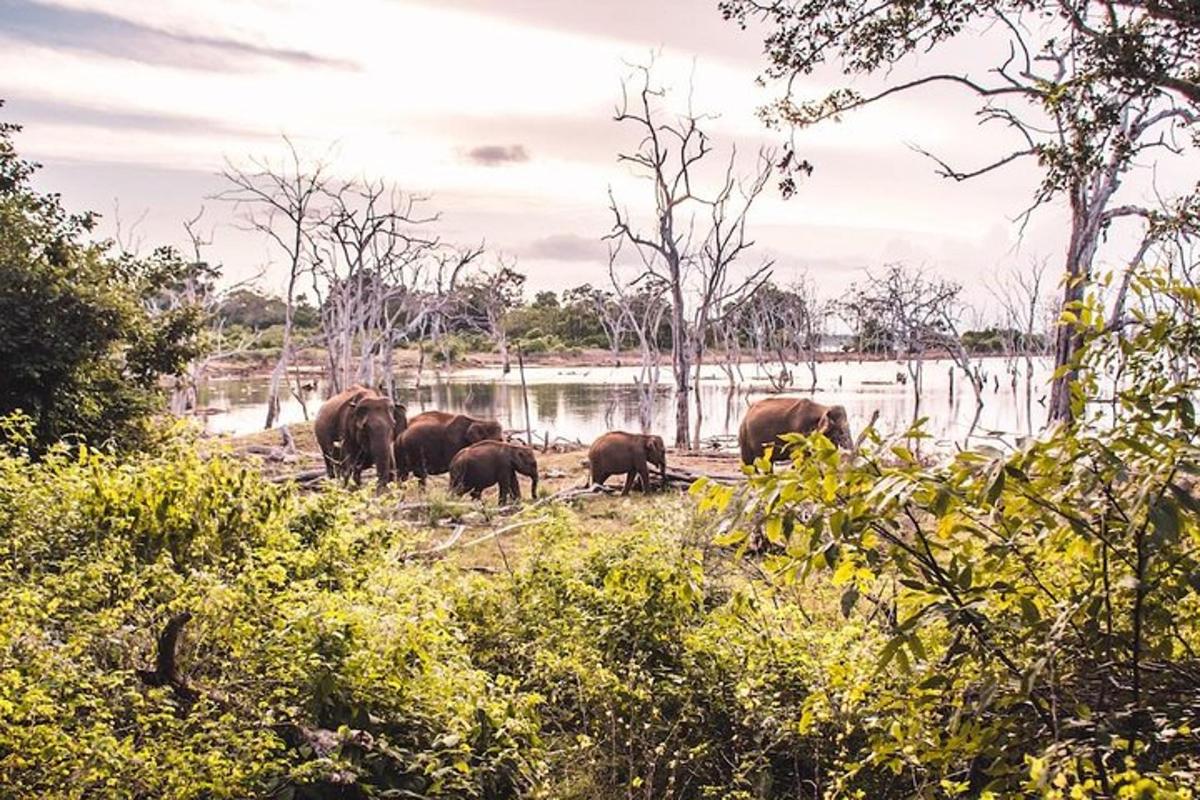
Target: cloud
point(493, 155)
point(28, 110)
point(566, 247)
point(647, 26)
point(81, 30)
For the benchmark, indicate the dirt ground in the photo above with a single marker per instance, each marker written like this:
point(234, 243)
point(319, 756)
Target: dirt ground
point(561, 467)
point(445, 519)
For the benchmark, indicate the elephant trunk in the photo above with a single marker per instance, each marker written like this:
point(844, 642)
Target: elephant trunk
point(384, 459)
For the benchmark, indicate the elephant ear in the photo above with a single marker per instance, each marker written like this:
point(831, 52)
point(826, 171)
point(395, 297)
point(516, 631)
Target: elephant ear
point(478, 432)
point(459, 426)
point(361, 414)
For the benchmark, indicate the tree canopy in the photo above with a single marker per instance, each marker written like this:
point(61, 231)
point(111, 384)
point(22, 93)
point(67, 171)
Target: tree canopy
point(82, 342)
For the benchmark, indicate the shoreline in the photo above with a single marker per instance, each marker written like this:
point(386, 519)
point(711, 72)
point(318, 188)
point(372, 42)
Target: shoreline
point(312, 364)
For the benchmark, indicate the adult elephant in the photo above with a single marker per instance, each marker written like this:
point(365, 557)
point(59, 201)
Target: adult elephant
point(489, 463)
point(618, 452)
point(433, 438)
point(767, 420)
point(355, 430)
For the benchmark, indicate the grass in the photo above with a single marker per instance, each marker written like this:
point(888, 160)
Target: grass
point(438, 513)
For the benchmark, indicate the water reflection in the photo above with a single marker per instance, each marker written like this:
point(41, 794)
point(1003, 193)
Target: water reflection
point(581, 403)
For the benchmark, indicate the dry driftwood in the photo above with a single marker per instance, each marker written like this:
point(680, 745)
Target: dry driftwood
point(440, 550)
point(688, 477)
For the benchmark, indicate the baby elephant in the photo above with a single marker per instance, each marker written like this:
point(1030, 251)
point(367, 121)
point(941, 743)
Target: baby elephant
point(488, 463)
point(618, 452)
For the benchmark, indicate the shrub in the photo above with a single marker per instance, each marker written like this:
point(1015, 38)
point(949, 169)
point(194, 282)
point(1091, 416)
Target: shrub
point(1042, 602)
point(324, 665)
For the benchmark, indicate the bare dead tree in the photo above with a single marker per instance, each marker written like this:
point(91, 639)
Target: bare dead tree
point(765, 314)
point(367, 251)
point(612, 319)
point(435, 304)
point(1088, 89)
point(807, 318)
point(644, 306)
point(128, 238)
point(725, 244)
point(910, 309)
point(280, 201)
point(1022, 297)
point(670, 247)
point(491, 294)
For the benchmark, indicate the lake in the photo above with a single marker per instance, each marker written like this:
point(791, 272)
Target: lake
point(580, 403)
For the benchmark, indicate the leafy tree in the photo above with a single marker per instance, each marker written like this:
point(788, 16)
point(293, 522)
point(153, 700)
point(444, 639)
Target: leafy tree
point(1039, 604)
point(256, 311)
point(82, 344)
point(545, 299)
point(1086, 88)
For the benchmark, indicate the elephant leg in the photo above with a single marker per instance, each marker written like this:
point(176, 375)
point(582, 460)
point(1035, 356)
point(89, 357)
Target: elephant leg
point(477, 493)
point(330, 468)
point(644, 474)
point(629, 476)
point(419, 472)
point(514, 485)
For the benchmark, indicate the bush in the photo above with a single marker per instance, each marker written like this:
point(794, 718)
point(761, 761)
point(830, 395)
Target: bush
point(542, 344)
point(1043, 602)
point(323, 665)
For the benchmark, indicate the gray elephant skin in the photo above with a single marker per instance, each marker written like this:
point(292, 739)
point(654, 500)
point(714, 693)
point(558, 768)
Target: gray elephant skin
point(628, 454)
point(432, 439)
point(355, 430)
point(490, 463)
point(767, 420)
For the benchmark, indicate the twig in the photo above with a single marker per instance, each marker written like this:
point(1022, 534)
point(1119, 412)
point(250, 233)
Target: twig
point(434, 552)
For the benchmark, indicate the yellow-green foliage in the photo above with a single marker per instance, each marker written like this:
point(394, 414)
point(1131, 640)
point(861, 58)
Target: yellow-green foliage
point(1017, 623)
point(1040, 604)
point(327, 666)
point(303, 620)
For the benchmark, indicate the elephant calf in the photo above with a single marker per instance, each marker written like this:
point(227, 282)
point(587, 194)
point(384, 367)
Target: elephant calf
point(488, 463)
point(618, 452)
point(767, 420)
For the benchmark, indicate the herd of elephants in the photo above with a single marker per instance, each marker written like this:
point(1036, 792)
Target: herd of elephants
point(361, 428)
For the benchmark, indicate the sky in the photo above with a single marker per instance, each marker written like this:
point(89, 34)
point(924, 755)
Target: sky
point(500, 114)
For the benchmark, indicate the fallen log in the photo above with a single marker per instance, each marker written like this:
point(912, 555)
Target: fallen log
point(305, 477)
point(525, 523)
point(680, 475)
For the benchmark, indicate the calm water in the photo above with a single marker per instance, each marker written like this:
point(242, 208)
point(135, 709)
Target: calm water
point(581, 403)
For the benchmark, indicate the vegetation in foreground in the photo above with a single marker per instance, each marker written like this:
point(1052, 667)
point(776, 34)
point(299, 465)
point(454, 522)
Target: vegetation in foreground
point(1004, 624)
point(321, 662)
